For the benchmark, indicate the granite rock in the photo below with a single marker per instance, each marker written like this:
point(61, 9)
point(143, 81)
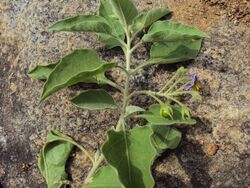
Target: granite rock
point(213, 153)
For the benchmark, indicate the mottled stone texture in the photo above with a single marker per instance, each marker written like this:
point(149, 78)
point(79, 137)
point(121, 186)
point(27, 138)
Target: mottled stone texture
point(214, 153)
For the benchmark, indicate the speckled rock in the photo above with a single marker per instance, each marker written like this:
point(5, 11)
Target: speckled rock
point(214, 153)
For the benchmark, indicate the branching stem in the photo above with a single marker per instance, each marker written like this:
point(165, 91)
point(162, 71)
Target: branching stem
point(168, 83)
point(121, 123)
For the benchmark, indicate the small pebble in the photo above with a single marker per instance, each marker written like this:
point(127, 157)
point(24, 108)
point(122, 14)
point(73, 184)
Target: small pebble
point(211, 149)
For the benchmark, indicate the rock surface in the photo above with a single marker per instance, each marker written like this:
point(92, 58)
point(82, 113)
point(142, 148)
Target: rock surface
point(213, 153)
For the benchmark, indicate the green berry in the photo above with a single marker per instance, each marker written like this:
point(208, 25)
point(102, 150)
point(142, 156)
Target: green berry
point(166, 111)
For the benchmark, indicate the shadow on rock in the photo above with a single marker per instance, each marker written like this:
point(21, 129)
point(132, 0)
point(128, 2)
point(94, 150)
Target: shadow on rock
point(193, 161)
point(166, 180)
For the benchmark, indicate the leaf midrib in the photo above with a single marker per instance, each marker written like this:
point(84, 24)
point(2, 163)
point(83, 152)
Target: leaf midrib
point(128, 157)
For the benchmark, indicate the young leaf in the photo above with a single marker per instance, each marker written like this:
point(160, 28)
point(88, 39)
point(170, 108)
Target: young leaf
point(105, 177)
point(133, 109)
point(53, 157)
point(165, 137)
point(153, 116)
point(86, 23)
point(125, 11)
point(169, 31)
point(79, 66)
point(117, 35)
point(42, 72)
point(145, 19)
point(131, 154)
point(173, 52)
point(106, 11)
point(94, 100)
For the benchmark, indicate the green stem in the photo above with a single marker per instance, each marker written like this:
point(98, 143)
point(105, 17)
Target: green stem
point(93, 169)
point(180, 93)
point(79, 146)
point(136, 46)
point(115, 85)
point(142, 92)
point(168, 83)
point(128, 54)
point(175, 100)
point(121, 122)
point(149, 93)
point(153, 95)
point(141, 66)
point(183, 86)
point(123, 69)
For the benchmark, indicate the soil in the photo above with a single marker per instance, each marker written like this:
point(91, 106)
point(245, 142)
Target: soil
point(236, 10)
point(214, 153)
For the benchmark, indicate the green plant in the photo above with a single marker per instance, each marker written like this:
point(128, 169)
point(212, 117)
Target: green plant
point(129, 153)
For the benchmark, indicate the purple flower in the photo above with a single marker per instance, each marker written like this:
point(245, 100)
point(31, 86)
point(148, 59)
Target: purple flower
point(195, 85)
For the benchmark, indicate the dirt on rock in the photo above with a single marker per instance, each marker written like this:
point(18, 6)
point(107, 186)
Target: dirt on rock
point(236, 10)
point(214, 153)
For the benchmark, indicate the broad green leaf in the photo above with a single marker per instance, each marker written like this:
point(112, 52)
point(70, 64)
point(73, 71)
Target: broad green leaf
point(94, 100)
point(111, 40)
point(173, 52)
point(53, 157)
point(79, 66)
point(42, 72)
point(153, 116)
point(125, 11)
point(165, 137)
point(105, 177)
point(131, 154)
point(133, 109)
point(169, 31)
point(145, 19)
point(86, 23)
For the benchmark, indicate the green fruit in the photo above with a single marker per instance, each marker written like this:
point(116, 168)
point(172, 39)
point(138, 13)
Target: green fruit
point(185, 112)
point(166, 111)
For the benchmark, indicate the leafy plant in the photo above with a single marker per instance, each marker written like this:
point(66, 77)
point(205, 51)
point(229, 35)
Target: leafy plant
point(129, 153)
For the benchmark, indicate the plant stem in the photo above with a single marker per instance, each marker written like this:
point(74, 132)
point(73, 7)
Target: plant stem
point(140, 67)
point(127, 52)
point(123, 69)
point(168, 83)
point(155, 94)
point(93, 169)
point(79, 146)
point(175, 100)
point(121, 122)
point(136, 46)
point(115, 85)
